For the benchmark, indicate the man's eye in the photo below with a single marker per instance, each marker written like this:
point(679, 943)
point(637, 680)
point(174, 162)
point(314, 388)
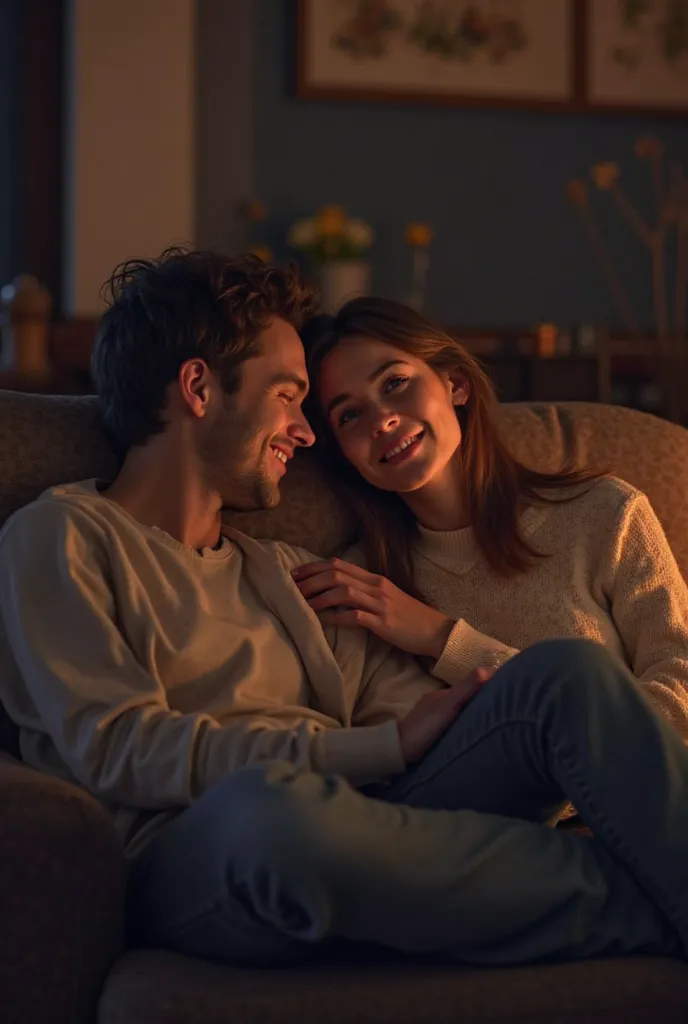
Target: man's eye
point(286, 396)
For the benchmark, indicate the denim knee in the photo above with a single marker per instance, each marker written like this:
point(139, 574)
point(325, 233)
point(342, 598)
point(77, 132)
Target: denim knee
point(275, 813)
point(580, 668)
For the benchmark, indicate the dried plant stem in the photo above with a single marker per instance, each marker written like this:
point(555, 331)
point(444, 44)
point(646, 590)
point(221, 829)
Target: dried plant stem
point(659, 287)
point(679, 201)
point(628, 210)
point(681, 276)
point(656, 165)
point(421, 263)
point(609, 270)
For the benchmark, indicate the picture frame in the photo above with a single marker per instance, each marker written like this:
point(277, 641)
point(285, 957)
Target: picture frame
point(636, 55)
point(490, 53)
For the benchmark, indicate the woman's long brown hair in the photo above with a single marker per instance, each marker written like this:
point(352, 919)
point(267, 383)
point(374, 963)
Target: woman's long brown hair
point(497, 485)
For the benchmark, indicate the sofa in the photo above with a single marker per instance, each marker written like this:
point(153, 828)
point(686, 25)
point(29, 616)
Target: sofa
point(64, 958)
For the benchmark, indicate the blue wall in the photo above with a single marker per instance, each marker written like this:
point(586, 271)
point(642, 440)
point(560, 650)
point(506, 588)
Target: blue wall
point(8, 39)
point(508, 250)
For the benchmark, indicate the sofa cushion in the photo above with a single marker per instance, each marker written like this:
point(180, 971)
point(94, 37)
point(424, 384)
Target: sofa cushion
point(649, 453)
point(153, 987)
point(51, 439)
point(47, 440)
point(62, 885)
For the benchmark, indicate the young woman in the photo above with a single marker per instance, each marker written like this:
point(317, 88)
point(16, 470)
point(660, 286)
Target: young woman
point(468, 553)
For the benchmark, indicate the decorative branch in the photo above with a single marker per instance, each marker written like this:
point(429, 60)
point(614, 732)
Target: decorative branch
point(681, 191)
point(606, 177)
point(577, 192)
point(629, 212)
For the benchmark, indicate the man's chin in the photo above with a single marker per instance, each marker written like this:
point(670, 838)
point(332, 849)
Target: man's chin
point(253, 503)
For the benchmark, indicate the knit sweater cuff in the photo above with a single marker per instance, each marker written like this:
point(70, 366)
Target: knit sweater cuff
point(671, 704)
point(467, 649)
point(366, 752)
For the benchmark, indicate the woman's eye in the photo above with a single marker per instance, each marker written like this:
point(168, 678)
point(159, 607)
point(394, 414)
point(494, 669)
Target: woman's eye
point(346, 417)
point(394, 382)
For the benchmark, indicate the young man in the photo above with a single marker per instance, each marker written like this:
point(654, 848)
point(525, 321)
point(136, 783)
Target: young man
point(274, 785)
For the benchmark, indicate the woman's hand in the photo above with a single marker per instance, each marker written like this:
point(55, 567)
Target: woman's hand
point(345, 595)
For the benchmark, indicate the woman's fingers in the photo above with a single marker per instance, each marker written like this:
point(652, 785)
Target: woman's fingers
point(332, 565)
point(349, 618)
point(344, 595)
point(327, 579)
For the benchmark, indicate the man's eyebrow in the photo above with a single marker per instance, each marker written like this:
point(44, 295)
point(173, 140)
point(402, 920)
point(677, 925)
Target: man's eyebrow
point(373, 377)
point(290, 378)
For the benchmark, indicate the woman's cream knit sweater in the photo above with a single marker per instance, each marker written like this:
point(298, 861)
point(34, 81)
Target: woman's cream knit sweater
point(609, 576)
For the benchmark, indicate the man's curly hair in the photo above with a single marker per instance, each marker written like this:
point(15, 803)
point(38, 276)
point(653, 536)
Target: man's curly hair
point(183, 305)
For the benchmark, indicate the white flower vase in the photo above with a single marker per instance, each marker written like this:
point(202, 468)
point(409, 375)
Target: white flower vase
point(342, 280)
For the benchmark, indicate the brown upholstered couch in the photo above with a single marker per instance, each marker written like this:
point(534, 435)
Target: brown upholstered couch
point(62, 957)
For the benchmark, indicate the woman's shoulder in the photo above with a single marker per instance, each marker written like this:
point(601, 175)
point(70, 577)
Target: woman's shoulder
point(606, 500)
point(609, 491)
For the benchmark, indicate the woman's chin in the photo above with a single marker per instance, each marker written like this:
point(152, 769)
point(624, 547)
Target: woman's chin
point(403, 479)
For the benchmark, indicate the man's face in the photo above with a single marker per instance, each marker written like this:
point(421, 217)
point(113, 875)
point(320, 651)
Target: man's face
point(247, 443)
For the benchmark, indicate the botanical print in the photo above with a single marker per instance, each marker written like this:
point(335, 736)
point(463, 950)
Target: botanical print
point(439, 28)
point(638, 52)
point(460, 31)
point(647, 26)
point(366, 31)
point(511, 49)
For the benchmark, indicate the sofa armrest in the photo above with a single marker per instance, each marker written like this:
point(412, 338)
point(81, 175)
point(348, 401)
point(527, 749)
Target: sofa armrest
point(62, 883)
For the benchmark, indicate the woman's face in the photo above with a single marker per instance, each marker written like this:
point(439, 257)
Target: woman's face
point(393, 416)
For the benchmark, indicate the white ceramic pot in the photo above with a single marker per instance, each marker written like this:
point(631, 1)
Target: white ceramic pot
point(342, 280)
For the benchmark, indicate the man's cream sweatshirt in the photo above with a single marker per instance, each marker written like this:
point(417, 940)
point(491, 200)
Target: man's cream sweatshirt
point(147, 671)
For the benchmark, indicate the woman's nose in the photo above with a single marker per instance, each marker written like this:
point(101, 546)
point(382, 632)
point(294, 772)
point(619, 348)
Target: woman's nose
point(384, 421)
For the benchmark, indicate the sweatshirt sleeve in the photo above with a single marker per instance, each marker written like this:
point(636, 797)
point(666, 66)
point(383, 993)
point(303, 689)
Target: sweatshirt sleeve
point(648, 602)
point(76, 679)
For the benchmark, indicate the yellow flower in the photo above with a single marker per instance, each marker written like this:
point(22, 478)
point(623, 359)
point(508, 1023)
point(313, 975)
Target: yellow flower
point(255, 210)
point(605, 175)
point(418, 235)
point(330, 221)
point(648, 148)
point(577, 192)
point(262, 252)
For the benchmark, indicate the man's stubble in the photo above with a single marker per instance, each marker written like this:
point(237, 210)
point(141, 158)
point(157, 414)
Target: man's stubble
point(236, 462)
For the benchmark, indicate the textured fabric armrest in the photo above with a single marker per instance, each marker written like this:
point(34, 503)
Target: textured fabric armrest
point(61, 898)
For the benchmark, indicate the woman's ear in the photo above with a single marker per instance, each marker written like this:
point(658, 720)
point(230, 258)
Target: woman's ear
point(460, 389)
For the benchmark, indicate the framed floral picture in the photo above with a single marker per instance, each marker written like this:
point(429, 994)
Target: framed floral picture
point(637, 54)
point(472, 52)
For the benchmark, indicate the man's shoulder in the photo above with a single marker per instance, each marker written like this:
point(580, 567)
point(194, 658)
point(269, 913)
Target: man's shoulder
point(59, 510)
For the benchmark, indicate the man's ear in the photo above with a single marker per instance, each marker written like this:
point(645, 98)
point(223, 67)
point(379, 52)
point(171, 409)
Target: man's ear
point(195, 386)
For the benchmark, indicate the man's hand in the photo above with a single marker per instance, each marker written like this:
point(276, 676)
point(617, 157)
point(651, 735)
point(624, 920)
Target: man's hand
point(434, 713)
point(343, 594)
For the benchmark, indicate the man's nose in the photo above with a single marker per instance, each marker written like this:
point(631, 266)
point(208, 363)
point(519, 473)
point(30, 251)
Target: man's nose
point(302, 432)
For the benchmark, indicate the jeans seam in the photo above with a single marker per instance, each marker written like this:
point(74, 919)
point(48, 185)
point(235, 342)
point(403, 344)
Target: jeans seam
point(465, 750)
point(617, 844)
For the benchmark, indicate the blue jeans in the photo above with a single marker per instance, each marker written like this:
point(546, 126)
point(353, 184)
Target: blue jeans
point(451, 859)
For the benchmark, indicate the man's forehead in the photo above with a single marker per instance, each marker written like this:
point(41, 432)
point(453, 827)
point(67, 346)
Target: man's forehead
point(280, 345)
point(280, 363)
